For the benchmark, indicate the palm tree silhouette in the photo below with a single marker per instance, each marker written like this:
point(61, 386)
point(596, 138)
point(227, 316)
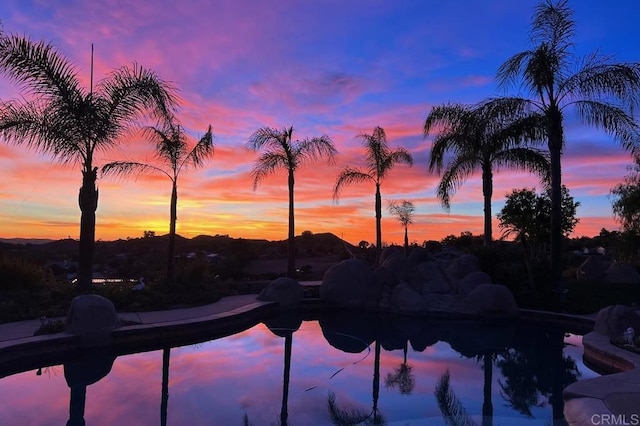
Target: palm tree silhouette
point(60, 118)
point(480, 138)
point(164, 402)
point(172, 149)
point(404, 213)
point(600, 91)
point(281, 152)
point(379, 161)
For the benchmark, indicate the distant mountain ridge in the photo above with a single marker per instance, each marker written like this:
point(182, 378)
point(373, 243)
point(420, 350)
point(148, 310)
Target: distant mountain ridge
point(25, 241)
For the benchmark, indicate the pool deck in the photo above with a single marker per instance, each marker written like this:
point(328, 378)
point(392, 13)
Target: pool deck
point(610, 399)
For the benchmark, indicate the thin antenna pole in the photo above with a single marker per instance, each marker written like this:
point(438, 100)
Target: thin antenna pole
point(91, 77)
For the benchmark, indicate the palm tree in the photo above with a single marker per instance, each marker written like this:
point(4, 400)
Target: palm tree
point(603, 94)
point(172, 149)
point(281, 152)
point(404, 213)
point(379, 160)
point(480, 138)
point(60, 118)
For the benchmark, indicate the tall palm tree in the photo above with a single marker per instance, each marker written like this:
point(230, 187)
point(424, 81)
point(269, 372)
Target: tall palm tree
point(380, 159)
point(282, 152)
point(603, 94)
point(172, 149)
point(480, 138)
point(404, 213)
point(72, 124)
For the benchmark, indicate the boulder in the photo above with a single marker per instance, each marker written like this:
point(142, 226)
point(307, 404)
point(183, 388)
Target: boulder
point(93, 318)
point(612, 321)
point(461, 267)
point(351, 283)
point(284, 290)
point(388, 252)
point(491, 300)
point(385, 277)
point(622, 273)
point(399, 266)
point(471, 281)
point(406, 300)
point(593, 268)
point(434, 279)
point(419, 255)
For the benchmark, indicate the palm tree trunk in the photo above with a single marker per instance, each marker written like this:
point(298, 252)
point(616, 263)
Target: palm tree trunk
point(487, 405)
point(378, 222)
point(172, 234)
point(406, 240)
point(487, 192)
point(376, 381)
point(291, 249)
point(284, 412)
point(88, 202)
point(166, 353)
point(77, 403)
point(555, 153)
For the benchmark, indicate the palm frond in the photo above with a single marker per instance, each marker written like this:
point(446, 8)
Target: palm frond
point(39, 69)
point(344, 417)
point(613, 120)
point(267, 137)
point(347, 177)
point(398, 156)
point(452, 410)
point(552, 24)
point(445, 116)
point(457, 172)
point(315, 149)
point(128, 92)
point(201, 150)
point(525, 159)
point(599, 79)
point(376, 148)
point(266, 164)
point(509, 73)
point(126, 168)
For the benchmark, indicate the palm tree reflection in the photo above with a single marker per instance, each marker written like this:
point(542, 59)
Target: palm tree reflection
point(402, 376)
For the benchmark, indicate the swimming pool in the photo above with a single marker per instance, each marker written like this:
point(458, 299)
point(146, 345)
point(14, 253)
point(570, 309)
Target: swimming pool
point(327, 369)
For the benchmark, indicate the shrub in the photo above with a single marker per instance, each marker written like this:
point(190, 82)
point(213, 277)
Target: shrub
point(17, 273)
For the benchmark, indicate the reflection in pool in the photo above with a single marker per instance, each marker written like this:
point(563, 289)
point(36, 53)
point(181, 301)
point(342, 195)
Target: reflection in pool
point(334, 369)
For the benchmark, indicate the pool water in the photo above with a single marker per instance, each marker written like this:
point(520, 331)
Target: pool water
point(339, 368)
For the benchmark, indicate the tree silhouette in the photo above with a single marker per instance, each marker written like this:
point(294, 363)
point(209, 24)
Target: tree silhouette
point(60, 118)
point(402, 376)
point(602, 93)
point(404, 213)
point(282, 152)
point(481, 138)
point(379, 161)
point(171, 149)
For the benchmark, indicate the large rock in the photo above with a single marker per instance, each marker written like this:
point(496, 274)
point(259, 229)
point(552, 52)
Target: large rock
point(491, 300)
point(398, 264)
point(284, 290)
point(93, 318)
point(351, 283)
point(612, 321)
point(419, 255)
point(622, 273)
point(471, 281)
point(434, 279)
point(407, 301)
point(461, 267)
point(388, 252)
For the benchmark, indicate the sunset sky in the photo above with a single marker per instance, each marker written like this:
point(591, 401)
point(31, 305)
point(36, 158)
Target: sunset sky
point(335, 67)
